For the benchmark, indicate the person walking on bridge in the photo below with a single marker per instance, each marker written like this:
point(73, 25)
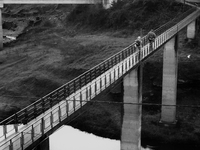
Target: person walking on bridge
point(151, 38)
point(138, 45)
point(138, 42)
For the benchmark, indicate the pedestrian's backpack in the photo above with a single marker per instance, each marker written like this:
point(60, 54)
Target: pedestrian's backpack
point(137, 42)
point(151, 36)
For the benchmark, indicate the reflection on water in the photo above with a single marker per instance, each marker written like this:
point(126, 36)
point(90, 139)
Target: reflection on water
point(73, 139)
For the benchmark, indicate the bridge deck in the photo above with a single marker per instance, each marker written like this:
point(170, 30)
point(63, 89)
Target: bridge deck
point(51, 110)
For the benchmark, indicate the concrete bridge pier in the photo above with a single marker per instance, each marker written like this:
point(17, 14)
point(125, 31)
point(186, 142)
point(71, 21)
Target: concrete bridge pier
point(169, 83)
point(191, 30)
point(131, 121)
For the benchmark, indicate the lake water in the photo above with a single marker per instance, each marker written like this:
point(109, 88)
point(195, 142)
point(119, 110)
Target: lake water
point(69, 138)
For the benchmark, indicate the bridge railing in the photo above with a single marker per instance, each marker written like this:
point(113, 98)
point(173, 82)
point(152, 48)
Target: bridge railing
point(61, 103)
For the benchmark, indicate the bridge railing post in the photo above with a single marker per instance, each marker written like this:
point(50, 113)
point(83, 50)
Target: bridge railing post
point(32, 133)
point(16, 127)
point(22, 140)
point(11, 145)
point(42, 126)
point(5, 130)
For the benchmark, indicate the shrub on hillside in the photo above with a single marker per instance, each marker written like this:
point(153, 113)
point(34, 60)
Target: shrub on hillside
point(87, 15)
point(129, 14)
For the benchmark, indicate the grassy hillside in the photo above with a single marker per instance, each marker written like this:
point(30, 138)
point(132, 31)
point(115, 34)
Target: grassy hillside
point(58, 42)
point(124, 15)
point(128, 14)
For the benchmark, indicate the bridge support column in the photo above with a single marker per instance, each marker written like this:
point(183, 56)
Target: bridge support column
point(191, 30)
point(169, 85)
point(44, 145)
point(131, 122)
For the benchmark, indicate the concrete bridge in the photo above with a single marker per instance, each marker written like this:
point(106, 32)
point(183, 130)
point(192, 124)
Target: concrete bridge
point(49, 113)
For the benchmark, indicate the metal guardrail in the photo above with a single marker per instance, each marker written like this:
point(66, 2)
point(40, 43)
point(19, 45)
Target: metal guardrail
point(58, 105)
